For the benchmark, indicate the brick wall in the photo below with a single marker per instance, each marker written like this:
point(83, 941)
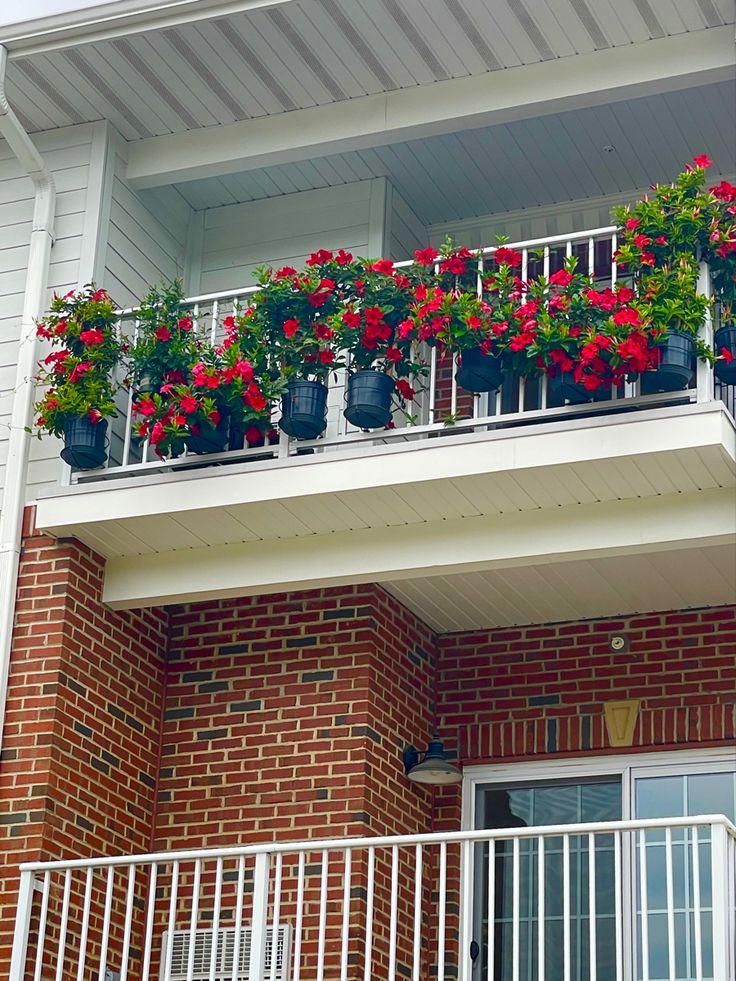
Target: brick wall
point(539, 690)
point(284, 716)
point(80, 745)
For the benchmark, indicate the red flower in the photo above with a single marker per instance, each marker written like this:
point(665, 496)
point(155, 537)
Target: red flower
point(454, 264)
point(188, 404)
point(641, 241)
point(290, 326)
point(351, 319)
point(229, 323)
point(319, 257)
point(185, 323)
point(727, 356)
point(508, 257)
point(323, 332)
point(344, 258)
point(326, 356)
point(404, 329)
point(425, 257)
point(253, 397)
point(244, 370)
point(100, 295)
point(214, 416)
point(627, 316)
point(474, 323)
point(146, 406)
point(648, 259)
point(94, 416)
point(285, 272)
point(393, 354)
point(163, 333)
point(92, 336)
point(385, 266)
point(561, 278)
point(724, 191)
point(253, 435)
point(157, 433)
point(703, 160)
point(405, 390)
point(79, 370)
point(632, 223)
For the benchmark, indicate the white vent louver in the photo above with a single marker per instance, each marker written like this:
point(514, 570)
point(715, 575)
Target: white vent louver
point(224, 959)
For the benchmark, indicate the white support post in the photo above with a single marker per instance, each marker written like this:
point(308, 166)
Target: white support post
point(260, 918)
point(705, 383)
point(22, 925)
point(720, 898)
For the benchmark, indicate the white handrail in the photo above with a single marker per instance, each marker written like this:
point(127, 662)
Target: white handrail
point(386, 841)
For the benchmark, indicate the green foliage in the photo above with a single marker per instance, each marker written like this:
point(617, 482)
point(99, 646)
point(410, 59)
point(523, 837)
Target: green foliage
point(79, 372)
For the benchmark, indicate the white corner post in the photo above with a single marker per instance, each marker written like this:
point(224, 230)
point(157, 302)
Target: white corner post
point(705, 383)
point(39, 256)
point(722, 933)
point(22, 925)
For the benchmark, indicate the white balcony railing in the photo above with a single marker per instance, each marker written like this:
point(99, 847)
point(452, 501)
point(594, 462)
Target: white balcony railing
point(620, 901)
point(519, 402)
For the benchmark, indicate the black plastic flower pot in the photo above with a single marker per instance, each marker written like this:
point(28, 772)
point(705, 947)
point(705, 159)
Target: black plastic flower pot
point(725, 337)
point(84, 444)
point(676, 369)
point(564, 387)
point(304, 409)
point(479, 372)
point(210, 440)
point(369, 399)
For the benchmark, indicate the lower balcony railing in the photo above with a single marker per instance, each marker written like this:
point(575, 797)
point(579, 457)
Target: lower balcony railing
point(519, 401)
point(620, 901)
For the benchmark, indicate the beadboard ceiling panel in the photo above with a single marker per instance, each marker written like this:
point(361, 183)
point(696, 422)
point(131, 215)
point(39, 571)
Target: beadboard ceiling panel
point(316, 52)
point(541, 161)
point(601, 587)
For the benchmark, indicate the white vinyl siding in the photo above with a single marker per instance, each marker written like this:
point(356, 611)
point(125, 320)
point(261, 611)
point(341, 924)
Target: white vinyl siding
point(146, 238)
point(282, 231)
point(67, 152)
point(532, 223)
point(406, 231)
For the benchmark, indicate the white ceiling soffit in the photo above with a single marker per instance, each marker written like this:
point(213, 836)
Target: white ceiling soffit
point(308, 53)
point(582, 589)
point(71, 22)
point(544, 161)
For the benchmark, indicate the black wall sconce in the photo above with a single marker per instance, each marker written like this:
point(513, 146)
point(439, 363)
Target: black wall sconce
point(431, 767)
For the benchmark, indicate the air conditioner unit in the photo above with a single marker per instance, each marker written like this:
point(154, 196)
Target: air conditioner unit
point(224, 958)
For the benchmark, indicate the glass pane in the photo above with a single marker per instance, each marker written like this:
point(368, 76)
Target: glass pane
point(711, 793)
point(552, 804)
point(660, 797)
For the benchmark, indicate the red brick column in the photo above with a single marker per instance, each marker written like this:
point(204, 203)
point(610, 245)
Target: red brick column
point(81, 737)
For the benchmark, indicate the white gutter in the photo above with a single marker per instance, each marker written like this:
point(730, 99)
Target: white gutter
point(34, 301)
point(118, 18)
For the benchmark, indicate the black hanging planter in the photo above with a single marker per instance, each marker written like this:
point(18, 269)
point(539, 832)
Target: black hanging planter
point(564, 387)
point(84, 444)
point(725, 337)
point(369, 399)
point(304, 409)
point(210, 440)
point(478, 371)
point(676, 369)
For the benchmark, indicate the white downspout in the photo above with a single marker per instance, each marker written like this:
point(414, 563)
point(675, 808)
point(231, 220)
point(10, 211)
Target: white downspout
point(34, 302)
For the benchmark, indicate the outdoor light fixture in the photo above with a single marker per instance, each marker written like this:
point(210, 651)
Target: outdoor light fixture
point(432, 766)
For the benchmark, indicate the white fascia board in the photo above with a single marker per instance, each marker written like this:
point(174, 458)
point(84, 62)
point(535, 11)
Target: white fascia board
point(461, 545)
point(601, 77)
point(506, 450)
point(118, 18)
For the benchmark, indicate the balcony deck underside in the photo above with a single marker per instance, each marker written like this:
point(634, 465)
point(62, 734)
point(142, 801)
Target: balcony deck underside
point(590, 517)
